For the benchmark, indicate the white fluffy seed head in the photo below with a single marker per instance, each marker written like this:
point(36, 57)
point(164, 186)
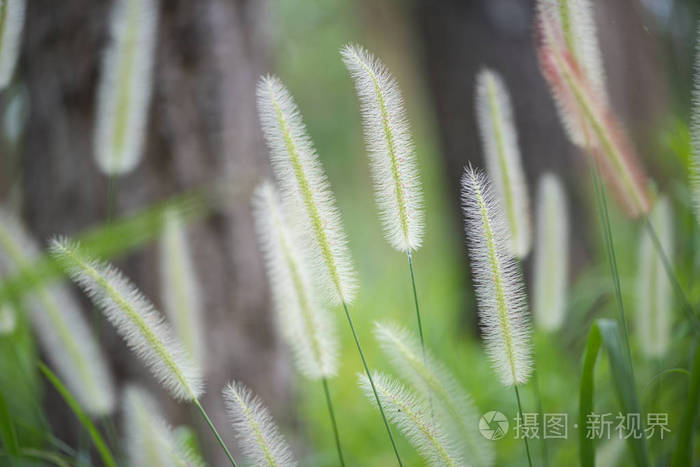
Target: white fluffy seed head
point(306, 191)
point(135, 319)
point(654, 293)
point(576, 20)
point(258, 436)
point(502, 154)
point(551, 254)
point(179, 287)
point(149, 438)
point(124, 91)
point(412, 417)
point(306, 325)
point(497, 280)
point(65, 336)
point(391, 151)
point(11, 25)
point(433, 380)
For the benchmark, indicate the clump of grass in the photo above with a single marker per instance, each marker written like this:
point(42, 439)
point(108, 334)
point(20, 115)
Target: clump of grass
point(179, 288)
point(256, 431)
point(11, 25)
point(412, 417)
point(654, 294)
point(62, 330)
point(149, 439)
point(499, 137)
point(124, 91)
point(551, 271)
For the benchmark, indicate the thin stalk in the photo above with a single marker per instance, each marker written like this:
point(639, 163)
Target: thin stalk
point(668, 267)
point(216, 433)
point(610, 249)
point(335, 426)
point(520, 411)
point(536, 382)
point(420, 328)
point(371, 383)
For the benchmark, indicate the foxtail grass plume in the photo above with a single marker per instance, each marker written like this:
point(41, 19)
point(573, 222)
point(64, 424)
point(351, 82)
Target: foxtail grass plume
point(135, 319)
point(453, 406)
point(551, 254)
point(695, 130)
point(179, 287)
point(124, 91)
point(8, 320)
point(498, 282)
point(654, 294)
point(584, 110)
point(411, 415)
point(256, 431)
point(306, 191)
point(391, 151)
point(65, 336)
point(303, 321)
point(494, 113)
point(11, 24)
point(149, 439)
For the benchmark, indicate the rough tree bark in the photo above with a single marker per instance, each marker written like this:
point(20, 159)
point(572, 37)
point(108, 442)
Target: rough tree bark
point(202, 128)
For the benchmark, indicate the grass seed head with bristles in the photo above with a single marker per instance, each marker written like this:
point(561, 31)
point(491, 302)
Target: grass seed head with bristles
point(135, 319)
point(256, 431)
point(391, 151)
point(498, 282)
point(433, 380)
point(12, 12)
point(124, 91)
point(180, 287)
point(587, 117)
point(306, 191)
point(305, 323)
point(63, 332)
point(494, 113)
point(551, 254)
point(411, 415)
point(149, 439)
point(654, 293)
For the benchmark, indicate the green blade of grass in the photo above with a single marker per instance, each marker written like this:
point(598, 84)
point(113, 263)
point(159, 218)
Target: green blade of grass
point(605, 333)
point(97, 439)
point(683, 455)
point(7, 429)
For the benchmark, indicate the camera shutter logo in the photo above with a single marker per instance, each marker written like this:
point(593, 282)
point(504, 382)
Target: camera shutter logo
point(493, 425)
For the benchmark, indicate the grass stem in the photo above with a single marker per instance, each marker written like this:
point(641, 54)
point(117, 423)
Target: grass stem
point(335, 426)
point(216, 433)
point(520, 411)
point(371, 382)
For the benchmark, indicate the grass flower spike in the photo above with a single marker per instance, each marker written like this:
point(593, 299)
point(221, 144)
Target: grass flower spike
point(305, 187)
point(551, 254)
point(654, 294)
point(135, 319)
point(499, 288)
point(391, 151)
point(258, 435)
point(65, 336)
point(180, 287)
point(412, 417)
point(149, 439)
point(502, 154)
point(124, 91)
point(304, 322)
point(453, 406)
point(11, 24)
point(583, 106)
